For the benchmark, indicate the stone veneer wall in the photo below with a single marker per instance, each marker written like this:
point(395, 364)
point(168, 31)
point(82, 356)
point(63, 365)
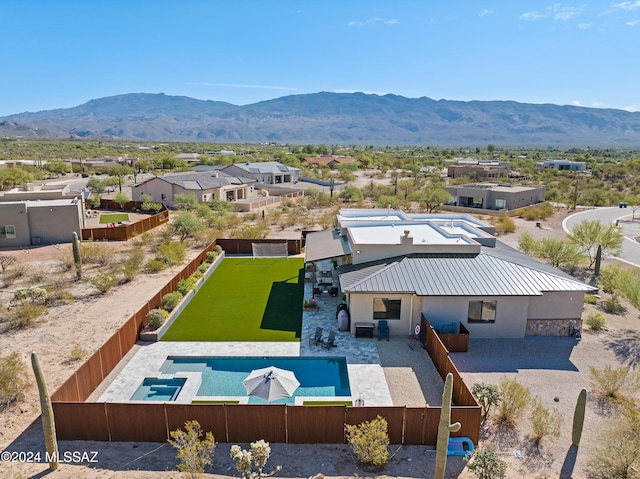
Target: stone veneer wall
point(551, 327)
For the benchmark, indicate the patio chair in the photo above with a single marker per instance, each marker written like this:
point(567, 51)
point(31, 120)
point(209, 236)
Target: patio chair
point(317, 337)
point(330, 341)
point(383, 329)
point(333, 291)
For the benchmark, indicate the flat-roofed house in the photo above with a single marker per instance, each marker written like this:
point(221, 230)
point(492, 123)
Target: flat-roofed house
point(206, 186)
point(331, 161)
point(450, 268)
point(496, 196)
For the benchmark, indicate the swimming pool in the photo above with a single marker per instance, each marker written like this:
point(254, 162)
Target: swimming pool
point(157, 389)
point(223, 376)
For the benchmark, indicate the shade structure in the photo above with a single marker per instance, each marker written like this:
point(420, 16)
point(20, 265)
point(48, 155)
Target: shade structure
point(271, 383)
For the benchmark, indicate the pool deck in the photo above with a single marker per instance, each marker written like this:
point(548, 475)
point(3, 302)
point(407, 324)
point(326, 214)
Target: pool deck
point(366, 375)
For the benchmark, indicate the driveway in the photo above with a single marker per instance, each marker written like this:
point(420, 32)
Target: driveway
point(631, 229)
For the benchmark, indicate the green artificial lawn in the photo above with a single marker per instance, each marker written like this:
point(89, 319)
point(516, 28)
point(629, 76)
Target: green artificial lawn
point(113, 218)
point(245, 299)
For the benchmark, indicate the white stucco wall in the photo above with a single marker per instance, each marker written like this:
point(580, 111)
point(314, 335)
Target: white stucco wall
point(156, 188)
point(557, 305)
point(372, 252)
point(361, 310)
point(511, 314)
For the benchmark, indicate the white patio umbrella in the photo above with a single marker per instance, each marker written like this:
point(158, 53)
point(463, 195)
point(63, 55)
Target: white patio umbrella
point(271, 383)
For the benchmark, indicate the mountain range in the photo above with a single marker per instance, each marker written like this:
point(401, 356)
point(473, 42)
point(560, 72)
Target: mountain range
point(333, 119)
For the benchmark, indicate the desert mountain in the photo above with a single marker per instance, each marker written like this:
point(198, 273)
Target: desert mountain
point(332, 118)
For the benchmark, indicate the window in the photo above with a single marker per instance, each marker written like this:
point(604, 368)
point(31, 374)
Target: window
point(501, 204)
point(386, 308)
point(8, 231)
point(482, 311)
point(163, 197)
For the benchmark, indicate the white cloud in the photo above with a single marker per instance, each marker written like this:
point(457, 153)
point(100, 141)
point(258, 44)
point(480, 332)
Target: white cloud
point(631, 108)
point(366, 92)
point(627, 5)
point(633, 23)
point(532, 16)
point(372, 21)
point(576, 103)
point(244, 85)
point(564, 13)
point(597, 104)
point(485, 12)
point(585, 26)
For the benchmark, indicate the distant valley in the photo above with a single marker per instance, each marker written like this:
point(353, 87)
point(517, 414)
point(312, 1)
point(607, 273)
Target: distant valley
point(332, 119)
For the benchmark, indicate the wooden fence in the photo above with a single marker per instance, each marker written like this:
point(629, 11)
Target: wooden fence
point(241, 422)
point(458, 342)
point(125, 232)
point(441, 360)
point(153, 422)
point(233, 246)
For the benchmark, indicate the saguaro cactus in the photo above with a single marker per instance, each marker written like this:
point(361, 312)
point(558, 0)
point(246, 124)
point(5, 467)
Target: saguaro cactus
point(444, 428)
point(48, 424)
point(578, 418)
point(596, 270)
point(77, 259)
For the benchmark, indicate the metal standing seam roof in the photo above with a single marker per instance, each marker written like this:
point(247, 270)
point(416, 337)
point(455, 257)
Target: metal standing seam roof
point(482, 275)
point(325, 244)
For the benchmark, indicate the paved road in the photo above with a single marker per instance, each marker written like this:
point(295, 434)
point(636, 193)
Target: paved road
point(631, 229)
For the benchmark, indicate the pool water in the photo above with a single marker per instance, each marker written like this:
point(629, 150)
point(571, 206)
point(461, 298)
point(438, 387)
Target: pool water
point(223, 376)
point(153, 389)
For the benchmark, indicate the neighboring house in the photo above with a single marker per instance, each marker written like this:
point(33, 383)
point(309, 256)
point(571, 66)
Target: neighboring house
point(188, 157)
point(265, 173)
point(486, 169)
point(206, 186)
point(331, 161)
point(563, 165)
point(495, 196)
point(449, 268)
point(35, 222)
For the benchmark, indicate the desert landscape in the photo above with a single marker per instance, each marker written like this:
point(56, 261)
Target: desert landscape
point(91, 318)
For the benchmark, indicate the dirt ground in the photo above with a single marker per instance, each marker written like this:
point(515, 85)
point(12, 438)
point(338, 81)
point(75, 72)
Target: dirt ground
point(91, 319)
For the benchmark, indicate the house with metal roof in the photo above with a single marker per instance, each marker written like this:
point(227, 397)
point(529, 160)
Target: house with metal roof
point(449, 268)
point(206, 186)
point(265, 173)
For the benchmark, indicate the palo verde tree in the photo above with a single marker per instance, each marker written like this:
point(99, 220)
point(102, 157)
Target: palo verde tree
point(588, 234)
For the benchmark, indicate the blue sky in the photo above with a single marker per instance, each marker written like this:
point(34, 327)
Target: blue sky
point(62, 53)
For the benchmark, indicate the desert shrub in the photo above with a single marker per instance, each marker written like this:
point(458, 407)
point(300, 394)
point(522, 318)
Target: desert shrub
point(184, 286)
point(58, 292)
point(155, 318)
point(38, 275)
point(78, 353)
point(217, 249)
point(617, 454)
point(590, 299)
point(596, 321)
point(256, 456)
point(103, 281)
point(610, 278)
point(19, 270)
point(6, 261)
point(544, 422)
point(13, 380)
point(211, 256)
point(369, 441)
point(33, 295)
point(538, 212)
point(515, 400)
point(94, 253)
point(130, 269)
point(614, 383)
point(504, 224)
point(194, 450)
point(203, 267)
point(488, 396)
point(486, 464)
point(155, 266)
point(612, 305)
point(172, 253)
point(171, 300)
point(526, 243)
